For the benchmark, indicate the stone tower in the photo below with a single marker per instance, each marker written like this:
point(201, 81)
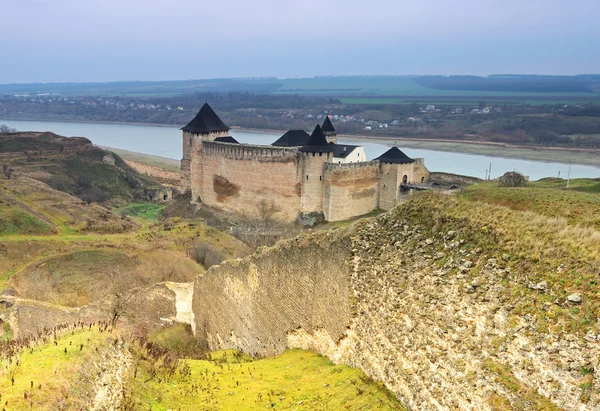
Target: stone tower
point(206, 126)
point(396, 169)
point(313, 156)
point(329, 131)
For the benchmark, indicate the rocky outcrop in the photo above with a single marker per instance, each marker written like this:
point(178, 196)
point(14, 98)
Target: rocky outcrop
point(448, 303)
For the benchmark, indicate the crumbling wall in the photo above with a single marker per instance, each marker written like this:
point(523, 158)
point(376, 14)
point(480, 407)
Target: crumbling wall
point(253, 303)
point(417, 299)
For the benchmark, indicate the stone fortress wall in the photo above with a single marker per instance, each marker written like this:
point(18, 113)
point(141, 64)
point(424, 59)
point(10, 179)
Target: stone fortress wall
point(241, 177)
point(237, 177)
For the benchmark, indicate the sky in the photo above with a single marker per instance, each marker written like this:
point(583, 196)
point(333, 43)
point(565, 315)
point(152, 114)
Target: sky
point(112, 40)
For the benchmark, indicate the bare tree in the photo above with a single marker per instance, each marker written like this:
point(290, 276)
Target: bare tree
point(7, 171)
point(266, 211)
point(4, 129)
point(120, 293)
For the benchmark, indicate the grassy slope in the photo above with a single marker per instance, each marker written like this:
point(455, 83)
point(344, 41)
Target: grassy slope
point(297, 380)
point(229, 380)
point(60, 211)
point(579, 205)
point(75, 265)
point(48, 368)
point(534, 247)
point(294, 380)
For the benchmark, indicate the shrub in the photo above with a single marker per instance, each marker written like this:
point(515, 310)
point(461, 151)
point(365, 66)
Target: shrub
point(94, 196)
point(208, 254)
point(512, 179)
point(85, 182)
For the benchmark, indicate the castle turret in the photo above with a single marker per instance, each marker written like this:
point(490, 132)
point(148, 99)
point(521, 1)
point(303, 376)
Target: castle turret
point(206, 126)
point(313, 156)
point(329, 131)
point(397, 170)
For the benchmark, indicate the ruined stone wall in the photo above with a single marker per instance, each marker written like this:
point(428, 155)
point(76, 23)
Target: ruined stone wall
point(350, 190)
point(236, 177)
point(253, 303)
point(423, 307)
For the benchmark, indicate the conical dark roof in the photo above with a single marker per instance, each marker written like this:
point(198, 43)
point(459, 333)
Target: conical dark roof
point(292, 138)
point(328, 127)
point(227, 139)
point(206, 121)
point(396, 156)
point(317, 143)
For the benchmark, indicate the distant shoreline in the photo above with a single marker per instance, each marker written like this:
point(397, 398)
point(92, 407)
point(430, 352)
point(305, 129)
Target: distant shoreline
point(589, 157)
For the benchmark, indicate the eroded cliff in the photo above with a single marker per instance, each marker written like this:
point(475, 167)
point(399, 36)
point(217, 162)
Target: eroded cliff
point(452, 304)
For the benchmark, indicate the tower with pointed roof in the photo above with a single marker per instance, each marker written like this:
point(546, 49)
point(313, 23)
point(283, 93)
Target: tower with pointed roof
point(329, 131)
point(206, 126)
point(312, 156)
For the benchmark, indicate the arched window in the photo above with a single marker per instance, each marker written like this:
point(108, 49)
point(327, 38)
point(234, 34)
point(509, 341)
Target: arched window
point(422, 179)
point(404, 179)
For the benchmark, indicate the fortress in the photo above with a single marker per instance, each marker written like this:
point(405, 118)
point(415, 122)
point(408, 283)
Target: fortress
point(303, 175)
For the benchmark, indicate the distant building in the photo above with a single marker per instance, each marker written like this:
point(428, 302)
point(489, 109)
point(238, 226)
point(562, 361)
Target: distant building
point(345, 153)
point(430, 107)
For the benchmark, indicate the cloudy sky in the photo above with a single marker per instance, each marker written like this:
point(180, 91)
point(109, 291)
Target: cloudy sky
point(108, 40)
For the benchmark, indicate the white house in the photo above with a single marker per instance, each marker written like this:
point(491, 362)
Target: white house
point(345, 153)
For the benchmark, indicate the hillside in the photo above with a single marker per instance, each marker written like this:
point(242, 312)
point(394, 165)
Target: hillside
point(81, 366)
point(74, 166)
point(452, 303)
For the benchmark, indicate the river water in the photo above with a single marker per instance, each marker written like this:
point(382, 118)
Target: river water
point(166, 142)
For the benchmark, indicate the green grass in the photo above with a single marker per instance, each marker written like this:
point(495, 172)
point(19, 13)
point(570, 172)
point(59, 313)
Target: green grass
point(18, 222)
point(48, 369)
point(578, 205)
point(294, 380)
point(148, 211)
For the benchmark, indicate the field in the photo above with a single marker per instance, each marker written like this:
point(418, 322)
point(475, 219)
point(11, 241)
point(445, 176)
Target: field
point(579, 205)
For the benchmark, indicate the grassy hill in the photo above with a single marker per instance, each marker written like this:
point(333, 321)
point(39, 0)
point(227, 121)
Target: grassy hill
point(74, 166)
point(578, 205)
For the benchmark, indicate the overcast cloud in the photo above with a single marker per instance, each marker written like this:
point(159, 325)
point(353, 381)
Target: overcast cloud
point(107, 40)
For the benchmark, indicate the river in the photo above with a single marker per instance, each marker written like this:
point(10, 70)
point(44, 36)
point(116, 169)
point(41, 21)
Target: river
point(166, 142)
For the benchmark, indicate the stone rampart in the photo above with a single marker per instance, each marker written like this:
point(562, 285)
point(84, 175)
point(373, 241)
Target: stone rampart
point(350, 189)
point(430, 310)
point(253, 303)
point(237, 177)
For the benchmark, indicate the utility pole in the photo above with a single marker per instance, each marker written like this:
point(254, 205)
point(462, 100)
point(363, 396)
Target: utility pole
point(569, 176)
point(490, 172)
point(486, 174)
